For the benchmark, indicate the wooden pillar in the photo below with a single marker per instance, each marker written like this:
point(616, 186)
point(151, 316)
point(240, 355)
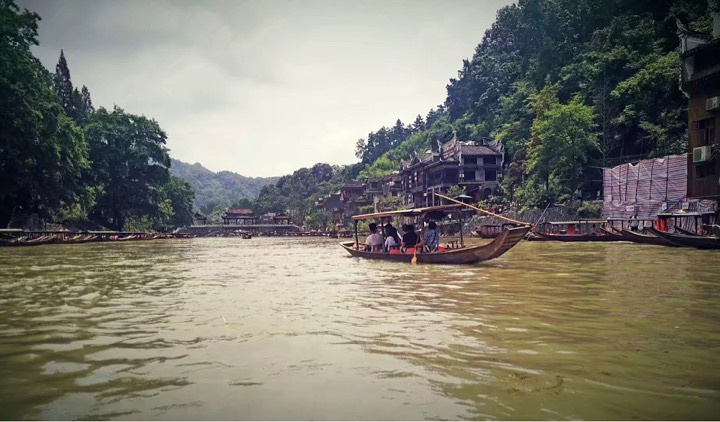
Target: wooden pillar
point(462, 243)
point(357, 242)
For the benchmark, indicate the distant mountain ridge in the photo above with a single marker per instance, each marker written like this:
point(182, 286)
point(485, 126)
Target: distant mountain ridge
point(219, 190)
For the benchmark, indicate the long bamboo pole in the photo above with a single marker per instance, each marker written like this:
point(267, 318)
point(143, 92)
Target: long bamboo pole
point(522, 223)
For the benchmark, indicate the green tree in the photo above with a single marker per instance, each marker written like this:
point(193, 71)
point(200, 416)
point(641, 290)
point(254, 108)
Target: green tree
point(455, 190)
point(130, 166)
point(42, 152)
point(181, 196)
point(318, 219)
point(566, 139)
point(654, 106)
point(76, 104)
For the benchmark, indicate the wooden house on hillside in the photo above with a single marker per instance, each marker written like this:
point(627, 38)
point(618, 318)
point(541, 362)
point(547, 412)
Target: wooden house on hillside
point(477, 168)
point(353, 196)
point(700, 81)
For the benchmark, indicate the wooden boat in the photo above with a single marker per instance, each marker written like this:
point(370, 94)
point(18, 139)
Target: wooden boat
point(680, 230)
point(648, 239)
point(461, 255)
point(576, 231)
point(534, 237)
point(490, 231)
point(464, 255)
point(716, 230)
point(603, 236)
point(699, 242)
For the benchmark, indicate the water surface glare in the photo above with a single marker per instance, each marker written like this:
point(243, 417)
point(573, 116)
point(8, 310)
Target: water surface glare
point(281, 328)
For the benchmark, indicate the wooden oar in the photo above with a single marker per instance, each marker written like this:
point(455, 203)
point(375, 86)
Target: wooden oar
point(522, 223)
point(413, 261)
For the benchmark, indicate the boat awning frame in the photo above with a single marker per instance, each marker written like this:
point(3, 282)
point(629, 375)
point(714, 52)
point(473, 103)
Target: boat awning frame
point(685, 214)
point(408, 212)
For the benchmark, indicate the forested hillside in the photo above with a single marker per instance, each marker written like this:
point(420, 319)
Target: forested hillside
point(217, 191)
point(568, 86)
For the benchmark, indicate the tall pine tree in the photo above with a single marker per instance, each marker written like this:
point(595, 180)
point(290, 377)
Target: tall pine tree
point(76, 104)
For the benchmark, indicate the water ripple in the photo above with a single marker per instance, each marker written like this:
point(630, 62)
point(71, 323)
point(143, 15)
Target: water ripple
point(295, 329)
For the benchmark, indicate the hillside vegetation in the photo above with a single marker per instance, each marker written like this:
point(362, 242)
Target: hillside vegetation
point(217, 191)
point(61, 160)
point(567, 86)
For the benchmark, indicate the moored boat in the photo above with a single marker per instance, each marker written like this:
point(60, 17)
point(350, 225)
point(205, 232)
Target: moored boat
point(648, 239)
point(490, 231)
point(716, 230)
point(576, 231)
point(699, 242)
point(602, 236)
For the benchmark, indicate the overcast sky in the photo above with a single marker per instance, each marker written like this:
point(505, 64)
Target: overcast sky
point(264, 88)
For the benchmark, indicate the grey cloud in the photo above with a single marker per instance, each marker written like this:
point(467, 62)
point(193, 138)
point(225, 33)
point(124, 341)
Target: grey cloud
point(264, 87)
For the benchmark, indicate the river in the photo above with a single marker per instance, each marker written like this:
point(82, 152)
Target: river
point(293, 328)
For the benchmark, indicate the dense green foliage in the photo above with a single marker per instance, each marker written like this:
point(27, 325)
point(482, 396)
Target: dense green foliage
point(297, 193)
point(216, 191)
point(60, 159)
point(42, 152)
point(568, 86)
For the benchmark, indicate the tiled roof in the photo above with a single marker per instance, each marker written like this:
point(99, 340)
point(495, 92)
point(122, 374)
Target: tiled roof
point(708, 46)
point(353, 185)
point(477, 150)
point(241, 211)
point(425, 156)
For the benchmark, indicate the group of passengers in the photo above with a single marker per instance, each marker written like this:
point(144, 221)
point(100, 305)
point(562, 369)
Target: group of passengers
point(429, 242)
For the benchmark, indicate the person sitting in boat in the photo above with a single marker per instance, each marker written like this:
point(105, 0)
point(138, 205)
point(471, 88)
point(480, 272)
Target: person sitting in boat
point(410, 239)
point(431, 238)
point(374, 241)
point(392, 241)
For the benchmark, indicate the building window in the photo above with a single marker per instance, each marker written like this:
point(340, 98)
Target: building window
point(469, 176)
point(704, 131)
point(704, 170)
point(489, 160)
point(490, 175)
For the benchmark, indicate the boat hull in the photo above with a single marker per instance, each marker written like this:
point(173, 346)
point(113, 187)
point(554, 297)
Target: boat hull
point(605, 237)
point(699, 242)
point(645, 238)
point(470, 255)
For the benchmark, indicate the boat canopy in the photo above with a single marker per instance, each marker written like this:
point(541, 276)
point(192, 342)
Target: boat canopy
point(575, 222)
point(408, 212)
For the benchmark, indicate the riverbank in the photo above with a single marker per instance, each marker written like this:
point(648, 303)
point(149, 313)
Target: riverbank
point(20, 237)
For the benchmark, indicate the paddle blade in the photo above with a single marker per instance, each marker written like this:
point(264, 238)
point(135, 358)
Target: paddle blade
point(413, 261)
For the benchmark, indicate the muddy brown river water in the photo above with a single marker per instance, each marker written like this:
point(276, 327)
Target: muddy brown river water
point(283, 328)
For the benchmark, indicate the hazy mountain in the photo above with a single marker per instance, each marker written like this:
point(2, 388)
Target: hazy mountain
point(218, 190)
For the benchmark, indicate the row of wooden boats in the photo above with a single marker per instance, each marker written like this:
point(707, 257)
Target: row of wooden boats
point(35, 239)
point(648, 235)
point(508, 235)
point(654, 236)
